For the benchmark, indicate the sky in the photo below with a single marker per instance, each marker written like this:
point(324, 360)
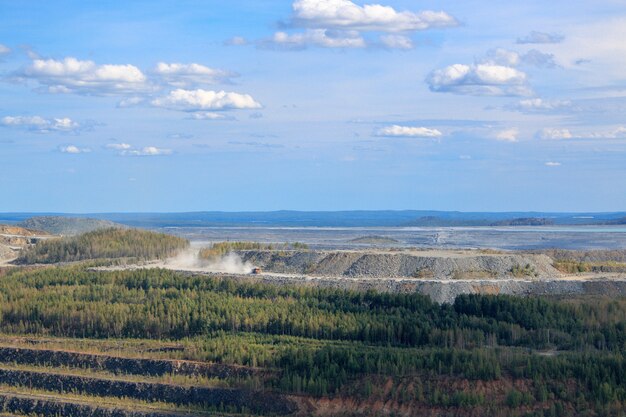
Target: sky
point(252, 105)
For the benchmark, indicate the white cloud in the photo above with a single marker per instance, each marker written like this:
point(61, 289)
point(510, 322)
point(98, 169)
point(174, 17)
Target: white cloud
point(119, 146)
point(40, 124)
point(555, 134)
point(71, 75)
point(617, 133)
point(396, 42)
point(539, 105)
point(553, 164)
point(208, 116)
point(552, 133)
point(319, 37)
point(147, 151)
point(184, 75)
point(4, 49)
point(73, 149)
point(341, 23)
point(479, 79)
point(541, 37)
point(408, 131)
point(344, 14)
point(130, 102)
point(507, 135)
point(125, 149)
point(195, 100)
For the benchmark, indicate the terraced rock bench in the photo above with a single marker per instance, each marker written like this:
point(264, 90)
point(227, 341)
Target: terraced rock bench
point(116, 364)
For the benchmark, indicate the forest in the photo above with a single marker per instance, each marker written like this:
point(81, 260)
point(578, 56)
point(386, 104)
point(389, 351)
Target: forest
point(555, 357)
point(104, 243)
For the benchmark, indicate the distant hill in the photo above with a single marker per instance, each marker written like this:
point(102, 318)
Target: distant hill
point(525, 221)
point(374, 240)
point(67, 226)
point(105, 243)
point(357, 218)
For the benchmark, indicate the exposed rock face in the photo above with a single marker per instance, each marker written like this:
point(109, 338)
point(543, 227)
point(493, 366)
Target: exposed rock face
point(13, 239)
point(450, 265)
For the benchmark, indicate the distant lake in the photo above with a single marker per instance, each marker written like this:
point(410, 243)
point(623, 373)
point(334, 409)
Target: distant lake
point(508, 238)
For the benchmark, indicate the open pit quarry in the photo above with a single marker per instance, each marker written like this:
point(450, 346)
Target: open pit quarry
point(440, 274)
point(13, 239)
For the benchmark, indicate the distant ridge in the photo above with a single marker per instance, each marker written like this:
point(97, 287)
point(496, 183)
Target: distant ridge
point(67, 226)
point(354, 218)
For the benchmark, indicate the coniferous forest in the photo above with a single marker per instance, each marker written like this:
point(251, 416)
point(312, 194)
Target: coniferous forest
point(495, 355)
point(104, 243)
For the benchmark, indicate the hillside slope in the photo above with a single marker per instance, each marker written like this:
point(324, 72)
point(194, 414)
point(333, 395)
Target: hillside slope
point(67, 226)
point(106, 243)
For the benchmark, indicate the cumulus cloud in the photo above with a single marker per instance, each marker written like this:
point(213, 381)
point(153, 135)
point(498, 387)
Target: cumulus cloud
point(118, 146)
point(408, 131)
point(40, 124)
point(318, 37)
point(541, 37)
point(553, 164)
point(196, 100)
point(184, 75)
point(342, 23)
point(539, 105)
point(125, 149)
point(555, 134)
point(208, 116)
point(71, 75)
point(487, 79)
point(146, 151)
point(73, 149)
point(344, 14)
point(495, 74)
point(4, 49)
point(507, 135)
point(617, 133)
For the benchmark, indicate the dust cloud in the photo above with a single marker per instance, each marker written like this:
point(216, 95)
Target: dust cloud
point(230, 263)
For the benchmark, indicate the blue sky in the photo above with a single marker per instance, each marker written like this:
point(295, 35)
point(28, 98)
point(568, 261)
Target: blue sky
point(312, 105)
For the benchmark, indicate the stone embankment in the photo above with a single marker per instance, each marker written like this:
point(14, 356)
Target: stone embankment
point(446, 291)
point(418, 264)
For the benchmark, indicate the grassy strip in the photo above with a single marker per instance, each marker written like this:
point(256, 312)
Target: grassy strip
point(576, 267)
point(222, 248)
point(109, 402)
point(170, 379)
